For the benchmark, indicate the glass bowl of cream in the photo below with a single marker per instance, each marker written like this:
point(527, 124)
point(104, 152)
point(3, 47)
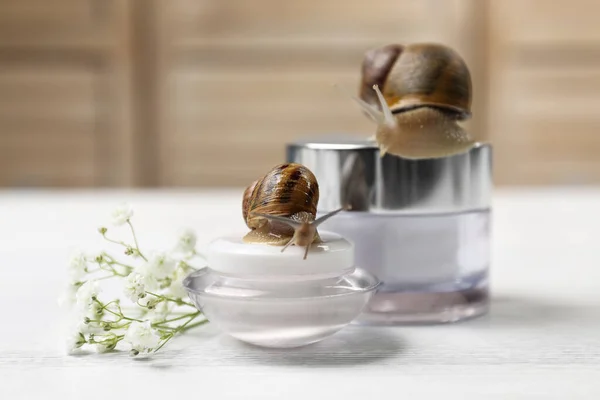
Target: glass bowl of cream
point(260, 295)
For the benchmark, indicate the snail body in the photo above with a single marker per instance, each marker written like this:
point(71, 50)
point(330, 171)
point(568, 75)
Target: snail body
point(281, 207)
point(417, 94)
point(422, 133)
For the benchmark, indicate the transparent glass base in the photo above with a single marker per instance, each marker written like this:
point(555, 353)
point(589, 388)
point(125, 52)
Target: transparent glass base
point(433, 267)
point(427, 307)
point(280, 311)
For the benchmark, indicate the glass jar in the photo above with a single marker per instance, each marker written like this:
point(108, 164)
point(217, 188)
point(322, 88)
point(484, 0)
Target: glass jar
point(259, 295)
point(421, 226)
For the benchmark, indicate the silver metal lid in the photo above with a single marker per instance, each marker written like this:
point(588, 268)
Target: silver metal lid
point(351, 172)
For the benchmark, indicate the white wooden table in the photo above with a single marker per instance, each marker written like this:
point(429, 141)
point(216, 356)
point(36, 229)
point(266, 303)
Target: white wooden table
point(541, 340)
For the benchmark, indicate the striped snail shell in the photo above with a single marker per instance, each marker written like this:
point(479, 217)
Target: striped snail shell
point(417, 94)
point(417, 75)
point(281, 207)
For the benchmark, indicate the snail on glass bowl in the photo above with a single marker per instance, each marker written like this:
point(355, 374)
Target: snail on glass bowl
point(281, 208)
point(417, 94)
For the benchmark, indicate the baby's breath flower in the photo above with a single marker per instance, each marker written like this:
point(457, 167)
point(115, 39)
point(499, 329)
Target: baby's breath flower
point(67, 297)
point(186, 242)
point(87, 293)
point(103, 347)
point(97, 258)
point(77, 266)
point(107, 343)
point(159, 266)
point(142, 337)
point(176, 288)
point(153, 283)
point(122, 214)
point(149, 302)
point(93, 311)
point(74, 341)
point(159, 313)
point(121, 269)
point(135, 287)
point(88, 328)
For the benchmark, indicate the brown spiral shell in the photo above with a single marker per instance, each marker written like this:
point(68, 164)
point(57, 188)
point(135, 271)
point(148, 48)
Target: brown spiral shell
point(417, 75)
point(246, 199)
point(287, 190)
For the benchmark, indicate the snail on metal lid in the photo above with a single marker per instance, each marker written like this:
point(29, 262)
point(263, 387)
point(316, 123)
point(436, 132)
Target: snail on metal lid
point(281, 208)
point(417, 94)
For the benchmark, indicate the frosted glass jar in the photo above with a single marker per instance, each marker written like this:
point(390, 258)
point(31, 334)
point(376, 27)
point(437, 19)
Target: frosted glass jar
point(262, 296)
point(421, 226)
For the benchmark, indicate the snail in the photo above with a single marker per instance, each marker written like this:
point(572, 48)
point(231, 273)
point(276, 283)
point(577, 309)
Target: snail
point(417, 94)
point(281, 208)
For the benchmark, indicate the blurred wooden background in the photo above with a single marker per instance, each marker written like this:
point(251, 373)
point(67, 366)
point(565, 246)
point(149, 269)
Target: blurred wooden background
point(207, 92)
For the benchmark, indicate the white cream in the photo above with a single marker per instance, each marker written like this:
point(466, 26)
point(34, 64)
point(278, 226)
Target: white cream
point(230, 255)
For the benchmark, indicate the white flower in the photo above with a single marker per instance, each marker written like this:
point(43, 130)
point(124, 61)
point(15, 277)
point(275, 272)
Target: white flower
point(97, 257)
point(159, 313)
point(93, 311)
point(141, 336)
point(176, 288)
point(108, 343)
point(150, 302)
point(135, 287)
point(122, 214)
point(159, 266)
point(86, 294)
point(74, 341)
point(103, 348)
point(77, 266)
point(186, 242)
point(67, 297)
point(88, 328)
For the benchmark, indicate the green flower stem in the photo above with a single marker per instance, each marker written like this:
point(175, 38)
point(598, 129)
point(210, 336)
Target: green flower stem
point(145, 306)
point(110, 268)
point(187, 328)
point(125, 325)
point(93, 271)
point(108, 304)
point(103, 277)
point(128, 267)
point(112, 260)
point(123, 317)
point(114, 271)
point(119, 314)
point(167, 328)
point(179, 302)
point(175, 319)
point(115, 241)
point(137, 246)
point(181, 328)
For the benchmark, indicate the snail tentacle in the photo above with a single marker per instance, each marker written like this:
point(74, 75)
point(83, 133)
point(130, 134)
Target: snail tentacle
point(388, 117)
point(293, 223)
point(371, 111)
point(325, 217)
point(288, 244)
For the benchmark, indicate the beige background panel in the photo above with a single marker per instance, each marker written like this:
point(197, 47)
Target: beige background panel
point(66, 117)
point(195, 93)
point(544, 91)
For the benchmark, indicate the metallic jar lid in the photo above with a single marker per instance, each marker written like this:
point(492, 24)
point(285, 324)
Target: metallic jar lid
point(351, 172)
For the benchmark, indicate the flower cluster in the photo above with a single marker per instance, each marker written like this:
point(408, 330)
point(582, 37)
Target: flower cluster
point(154, 309)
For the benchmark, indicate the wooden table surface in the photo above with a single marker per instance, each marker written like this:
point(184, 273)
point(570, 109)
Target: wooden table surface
point(541, 339)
